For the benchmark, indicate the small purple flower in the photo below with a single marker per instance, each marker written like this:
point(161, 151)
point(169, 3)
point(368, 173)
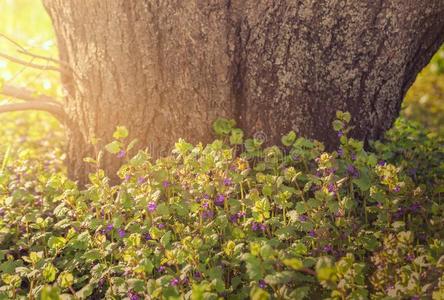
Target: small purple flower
point(185, 281)
point(121, 233)
point(141, 180)
point(399, 213)
point(415, 298)
point(127, 177)
point(262, 284)
point(381, 163)
point(256, 226)
point(340, 133)
point(148, 237)
point(397, 189)
point(234, 218)
point(161, 226)
point(197, 275)
point(220, 200)
point(152, 206)
point(198, 200)
point(379, 205)
point(207, 214)
point(101, 282)
point(331, 187)
point(312, 233)
point(165, 183)
point(410, 257)
point(353, 156)
point(415, 207)
point(303, 218)
point(109, 227)
point(352, 171)
point(121, 154)
point(133, 296)
point(174, 282)
point(328, 248)
point(228, 182)
point(206, 196)
point(340, 152)
point(161, 269)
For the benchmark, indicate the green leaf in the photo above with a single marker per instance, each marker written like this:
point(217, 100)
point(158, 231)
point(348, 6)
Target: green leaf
point(294, 263)
point(120, 133)
point(289, 139)
point(113, 147)
point(237, 137)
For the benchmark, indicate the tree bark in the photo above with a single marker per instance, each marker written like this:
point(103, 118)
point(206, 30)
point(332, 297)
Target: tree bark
point(168, 68)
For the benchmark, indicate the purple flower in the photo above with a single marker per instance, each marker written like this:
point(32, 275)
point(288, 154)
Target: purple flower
point(234, 218)
point(312, 233)
point(340, 133)
point(220, 200)
point(127, 177)
point(133, 296)
point(256, 226)
point(152, 206)
point(141, 180)
point(340, 152)
point(303, 218)
point(397, 189)
point(381, 163)
point(197, 275)
point(415, 207)
point(121, 233)
point(161, 226)
point(165, 183)
point(328, 248)
point(332, 188)
point(415, 298)
point(206, 196)
point(399, 213)
point(352, 171)
point(148, 236)
point(228, 182)
point(109, 227)
point(207, 214)
point(174, 282)
point(262, 284)
point(353, 156)
point(161, 269)
point(121, 154)
point(410, 257)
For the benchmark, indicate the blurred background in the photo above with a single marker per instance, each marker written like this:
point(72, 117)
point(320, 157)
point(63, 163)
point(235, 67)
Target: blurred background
point(31, 134)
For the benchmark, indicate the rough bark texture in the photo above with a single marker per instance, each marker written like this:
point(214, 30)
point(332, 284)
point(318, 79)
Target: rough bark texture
point(168, 68)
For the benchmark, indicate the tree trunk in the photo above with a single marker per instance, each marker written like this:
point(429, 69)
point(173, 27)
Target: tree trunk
point(168, 68)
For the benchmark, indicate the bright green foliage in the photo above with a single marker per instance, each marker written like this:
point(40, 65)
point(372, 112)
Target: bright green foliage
point(288, 222)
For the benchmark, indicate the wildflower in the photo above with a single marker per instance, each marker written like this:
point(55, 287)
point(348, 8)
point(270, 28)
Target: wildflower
point(332, 188)
point(133, 296)
point(161, 226)
point(340, 133)
point(381, 163)
point(165, 183)
point(228, 182)
point(121, 154)
point(161, 269)
point(303, 218)
point(127, 177)
point(109, 227)
point(410, 257)
point(207, 214)
point(415, 207)
point(174, 282)
point(148, 237)
point(399, 213)
point(185, 281)
point(220, 200)
point(256, 226)
point(262, 284)
point(397, 189)
point(197, 275)
point(340, 152)
point(141, 180)
point(353, 156)
point(352, 171)
point(328, 248)
point(121, 233)
point(234, 218)
point(152, 206)
point(312, 233)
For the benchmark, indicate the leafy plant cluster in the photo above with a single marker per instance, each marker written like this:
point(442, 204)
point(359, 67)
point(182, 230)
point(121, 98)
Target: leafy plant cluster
point(209, 222)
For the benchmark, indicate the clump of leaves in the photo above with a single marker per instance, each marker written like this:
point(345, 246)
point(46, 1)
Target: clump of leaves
point(232, 219)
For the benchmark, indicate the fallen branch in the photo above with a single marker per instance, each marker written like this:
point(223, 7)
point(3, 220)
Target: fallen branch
point(54, 109)
point(24, 94)
point(31, 65)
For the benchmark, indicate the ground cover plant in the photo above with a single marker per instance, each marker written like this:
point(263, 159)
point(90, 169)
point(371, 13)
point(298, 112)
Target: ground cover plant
point(231, 219)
